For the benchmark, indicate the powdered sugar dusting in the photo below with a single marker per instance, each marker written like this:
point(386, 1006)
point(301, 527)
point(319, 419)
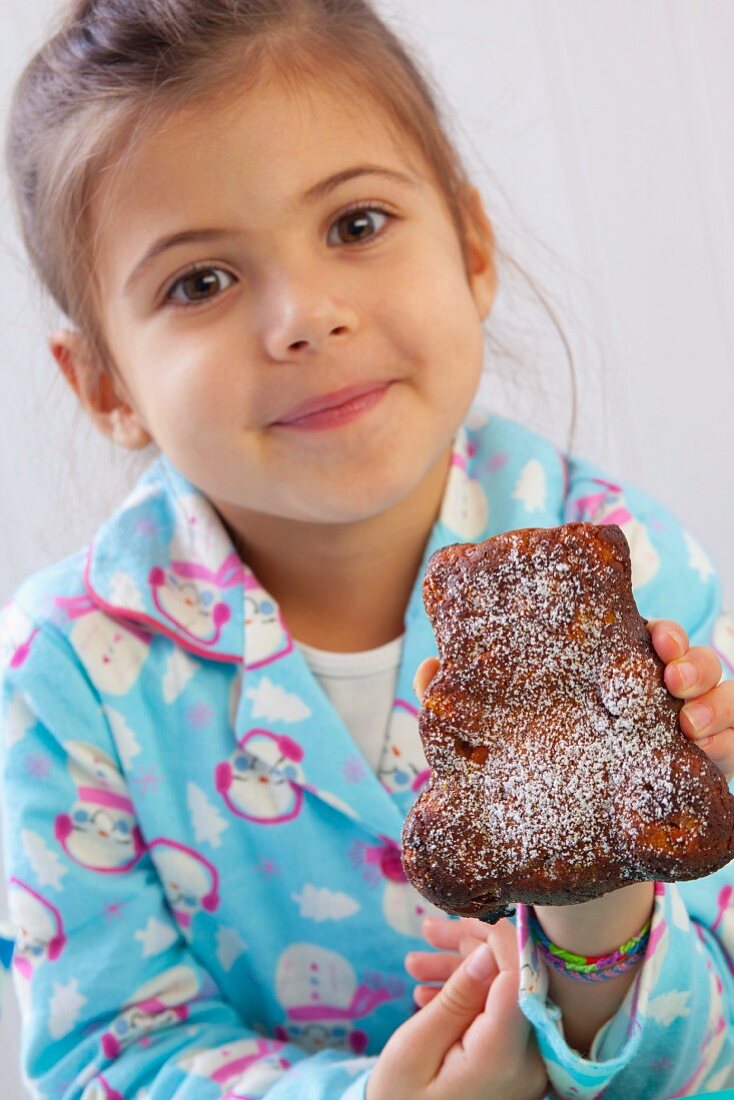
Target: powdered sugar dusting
point(554, 744)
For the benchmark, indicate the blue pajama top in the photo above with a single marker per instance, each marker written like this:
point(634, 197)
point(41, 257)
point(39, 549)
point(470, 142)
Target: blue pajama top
point(204, 877)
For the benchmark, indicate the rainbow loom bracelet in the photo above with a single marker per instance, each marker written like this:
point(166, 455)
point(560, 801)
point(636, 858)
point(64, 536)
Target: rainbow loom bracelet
point(590, 968)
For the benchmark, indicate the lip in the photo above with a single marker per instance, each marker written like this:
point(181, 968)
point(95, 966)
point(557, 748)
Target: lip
point(330, 401)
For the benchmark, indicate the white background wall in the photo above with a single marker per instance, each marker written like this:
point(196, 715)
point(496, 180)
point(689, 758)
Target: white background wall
point(601, 136)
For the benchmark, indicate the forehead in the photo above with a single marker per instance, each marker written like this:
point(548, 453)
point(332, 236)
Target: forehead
point(242, 155)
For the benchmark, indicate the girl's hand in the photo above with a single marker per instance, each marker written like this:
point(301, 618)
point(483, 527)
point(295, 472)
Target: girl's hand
point(694, 674)
point(472, 1041)
point(456, 939)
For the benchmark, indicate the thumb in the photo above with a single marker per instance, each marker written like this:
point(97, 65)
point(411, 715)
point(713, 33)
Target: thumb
point(442, 1022)
point(502, 1027)
point(426, 671)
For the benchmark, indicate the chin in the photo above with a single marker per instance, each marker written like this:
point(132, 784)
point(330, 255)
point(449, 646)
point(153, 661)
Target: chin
point(355, 487)
point(358, 504)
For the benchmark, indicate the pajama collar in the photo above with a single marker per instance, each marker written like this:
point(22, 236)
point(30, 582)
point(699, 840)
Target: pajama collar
point(166, 563)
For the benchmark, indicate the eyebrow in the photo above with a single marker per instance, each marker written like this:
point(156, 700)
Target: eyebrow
point(318, 191)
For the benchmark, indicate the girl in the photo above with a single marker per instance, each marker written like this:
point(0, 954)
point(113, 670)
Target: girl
point(277, 275)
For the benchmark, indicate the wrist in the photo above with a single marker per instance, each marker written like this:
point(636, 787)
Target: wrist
point(598, 926)
point(591, 968)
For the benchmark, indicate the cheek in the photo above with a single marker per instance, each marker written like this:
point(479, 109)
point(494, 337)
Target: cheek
point(192, 400)
point(435, 317)
point(183, 365)
point(196, 386)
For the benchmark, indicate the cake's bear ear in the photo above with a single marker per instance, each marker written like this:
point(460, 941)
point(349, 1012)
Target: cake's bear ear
point(610, 547)
point(615, 555)
point(444, 578)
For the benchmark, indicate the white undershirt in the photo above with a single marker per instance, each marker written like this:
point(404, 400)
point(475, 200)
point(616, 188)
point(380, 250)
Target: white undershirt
point(361, 688)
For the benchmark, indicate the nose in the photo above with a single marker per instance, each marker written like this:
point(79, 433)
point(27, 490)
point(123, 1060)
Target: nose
point(304, 315)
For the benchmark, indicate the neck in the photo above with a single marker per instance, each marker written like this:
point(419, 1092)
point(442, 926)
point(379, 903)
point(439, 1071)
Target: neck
point(344, 587)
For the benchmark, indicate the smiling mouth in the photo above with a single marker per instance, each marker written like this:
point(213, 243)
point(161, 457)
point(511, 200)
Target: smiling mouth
point(327, 401)
point(333, 409)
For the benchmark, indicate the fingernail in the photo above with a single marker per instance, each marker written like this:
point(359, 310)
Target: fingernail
point(480, 963)
point(699, 715)
point(686, 674)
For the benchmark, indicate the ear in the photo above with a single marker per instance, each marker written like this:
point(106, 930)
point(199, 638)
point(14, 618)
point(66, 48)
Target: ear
point(114, 416)
point(481, 247)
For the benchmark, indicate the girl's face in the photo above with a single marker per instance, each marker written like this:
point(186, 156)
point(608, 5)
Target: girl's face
point(294, 299)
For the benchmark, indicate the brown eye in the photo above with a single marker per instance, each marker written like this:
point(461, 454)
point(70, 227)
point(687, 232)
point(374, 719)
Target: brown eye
point(357, 225)
point(198, 285)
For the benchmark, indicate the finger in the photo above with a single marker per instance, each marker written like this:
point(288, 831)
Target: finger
point(437, 966)
point(502, 1026)
point(504, 945)
point(447, 934)
point(424, 994)
point(669, 639)
point(444, 1020)
point(697, 672)
point(720, 749)
point(468, 943)
point(426, 671)
point(432, 966)
point(710, 713)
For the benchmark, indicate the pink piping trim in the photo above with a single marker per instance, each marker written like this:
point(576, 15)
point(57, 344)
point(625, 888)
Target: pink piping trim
point(230, 572)
point(137, 616)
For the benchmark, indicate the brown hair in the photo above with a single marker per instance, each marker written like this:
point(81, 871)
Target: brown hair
point(113, 68)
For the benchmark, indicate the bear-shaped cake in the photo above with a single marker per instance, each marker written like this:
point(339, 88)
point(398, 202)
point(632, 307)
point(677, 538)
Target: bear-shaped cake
point(559, 769)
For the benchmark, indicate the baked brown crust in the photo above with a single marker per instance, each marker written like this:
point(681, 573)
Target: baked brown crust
point(559, 769)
